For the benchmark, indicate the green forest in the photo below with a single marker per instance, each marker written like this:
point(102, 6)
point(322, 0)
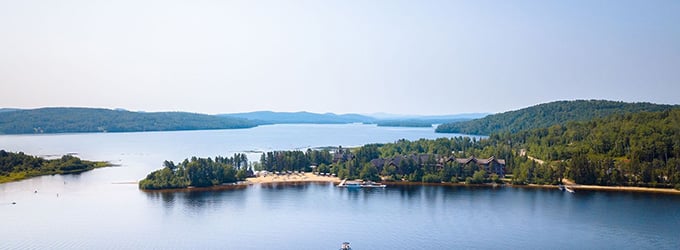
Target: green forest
point(419, 160)
point(198, 172)
point(640, 149)
point(633, 149)
point(546, 115)
point(18, 166)
point(77, 120)
point(623, 149)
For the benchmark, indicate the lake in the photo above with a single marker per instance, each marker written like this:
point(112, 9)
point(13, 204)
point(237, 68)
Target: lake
point(100, 210)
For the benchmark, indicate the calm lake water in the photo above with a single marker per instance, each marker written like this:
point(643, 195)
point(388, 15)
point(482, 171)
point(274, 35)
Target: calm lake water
point(97, 210)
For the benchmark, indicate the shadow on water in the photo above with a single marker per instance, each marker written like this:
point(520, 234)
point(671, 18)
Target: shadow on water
point(408, 192)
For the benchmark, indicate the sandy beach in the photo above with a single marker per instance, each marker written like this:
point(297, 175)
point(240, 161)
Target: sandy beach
point(577, 187)
point(291, 178)
point(626, 189)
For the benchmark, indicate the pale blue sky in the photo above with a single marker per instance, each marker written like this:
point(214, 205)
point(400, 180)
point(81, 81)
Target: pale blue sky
point(408, 57)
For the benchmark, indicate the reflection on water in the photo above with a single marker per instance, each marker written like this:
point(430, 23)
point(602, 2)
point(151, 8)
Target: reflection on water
point(196, 200)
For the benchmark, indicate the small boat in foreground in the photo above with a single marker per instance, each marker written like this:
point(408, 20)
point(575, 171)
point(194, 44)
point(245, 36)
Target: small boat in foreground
point(345, 246)
point(360, 184)
point(569, 190)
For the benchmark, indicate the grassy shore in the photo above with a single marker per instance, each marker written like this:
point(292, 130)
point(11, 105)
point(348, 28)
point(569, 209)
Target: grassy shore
point(17, 176)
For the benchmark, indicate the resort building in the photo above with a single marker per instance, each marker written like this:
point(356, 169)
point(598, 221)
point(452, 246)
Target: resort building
point(490, 165)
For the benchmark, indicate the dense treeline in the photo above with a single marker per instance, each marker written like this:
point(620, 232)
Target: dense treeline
point(17, 166)
point(630, 149)
point(75, 120)
point(294, 160)
point(418, 160)
point(423, 160)
point(546, 115)
point(198, 172)
point(641, 149)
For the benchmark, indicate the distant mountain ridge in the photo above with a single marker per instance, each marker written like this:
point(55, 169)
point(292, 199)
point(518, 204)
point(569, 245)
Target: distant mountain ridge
point(463, 116)
point(3, 110)
point(270, 117)
point(79, 120)
point(548, 114)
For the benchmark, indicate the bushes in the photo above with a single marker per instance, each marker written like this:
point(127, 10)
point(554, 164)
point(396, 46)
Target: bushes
point(477, 178)
point(199, 172)
point(432, 178)
point(16, 166)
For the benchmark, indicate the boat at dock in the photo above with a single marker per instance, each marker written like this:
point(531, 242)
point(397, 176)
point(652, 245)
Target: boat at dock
point(360, 184)
point(566, 188)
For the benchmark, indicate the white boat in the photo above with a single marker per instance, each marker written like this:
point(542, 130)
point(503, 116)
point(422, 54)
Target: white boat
point(569, 189)
point(360, 184)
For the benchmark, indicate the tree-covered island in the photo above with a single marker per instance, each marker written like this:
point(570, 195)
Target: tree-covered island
point(19, 166)
point(197, 172)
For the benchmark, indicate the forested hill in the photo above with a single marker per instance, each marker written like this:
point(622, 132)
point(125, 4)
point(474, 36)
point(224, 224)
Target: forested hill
point(546, 115)
point(76, 120)
point(381, 119)
point(627, 149)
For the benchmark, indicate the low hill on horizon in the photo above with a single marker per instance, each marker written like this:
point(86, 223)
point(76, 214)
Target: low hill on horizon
point(546, 115)
point(271, 117)
point(81, 120)
point(381, 119)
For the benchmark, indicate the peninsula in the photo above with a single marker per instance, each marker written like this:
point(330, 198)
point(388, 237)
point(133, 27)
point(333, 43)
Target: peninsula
point(19, 166)
point(635, 151)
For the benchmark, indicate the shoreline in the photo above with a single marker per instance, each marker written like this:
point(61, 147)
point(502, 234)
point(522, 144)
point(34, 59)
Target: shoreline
point(226, 186)
point(25, 175)
point(625, 189)
point(297, 179)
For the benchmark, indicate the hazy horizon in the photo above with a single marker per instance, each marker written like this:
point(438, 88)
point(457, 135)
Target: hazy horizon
point(378, 114)
point(374, 114)
point(396, 57)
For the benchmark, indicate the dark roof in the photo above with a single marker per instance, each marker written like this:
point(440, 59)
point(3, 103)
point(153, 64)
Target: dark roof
point(465, 160)
point(475, 160)
point(423, 158)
